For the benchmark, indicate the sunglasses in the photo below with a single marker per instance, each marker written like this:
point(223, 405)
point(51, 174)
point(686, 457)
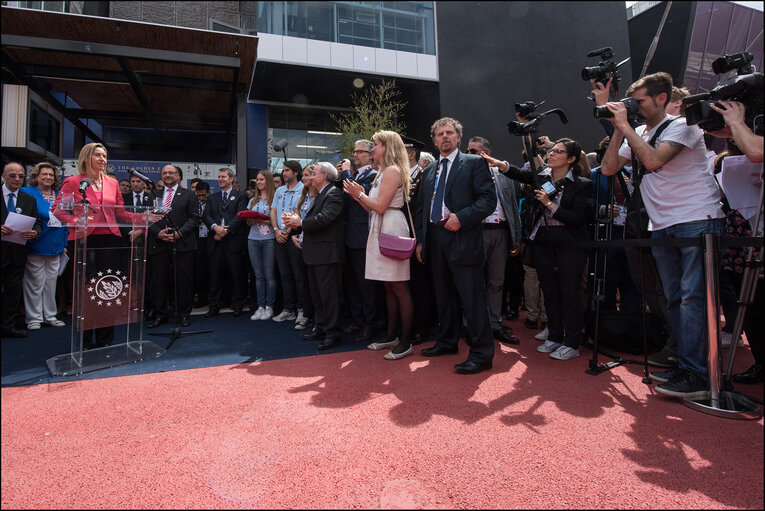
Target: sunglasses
point(473, 151)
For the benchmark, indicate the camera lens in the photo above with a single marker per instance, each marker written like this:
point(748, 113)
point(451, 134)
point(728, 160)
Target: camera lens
point(602, 112)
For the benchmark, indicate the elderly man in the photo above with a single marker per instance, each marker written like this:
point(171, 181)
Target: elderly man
point(323, 252)
point(14, 255)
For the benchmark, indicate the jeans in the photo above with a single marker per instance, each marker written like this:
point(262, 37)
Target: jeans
point(262, 260)
point(681, 271)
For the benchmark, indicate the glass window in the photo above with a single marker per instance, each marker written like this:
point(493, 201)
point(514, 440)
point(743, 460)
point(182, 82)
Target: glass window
point(44, 129)
point(404, 26)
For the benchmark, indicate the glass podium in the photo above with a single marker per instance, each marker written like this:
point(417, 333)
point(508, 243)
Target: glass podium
point(108, 288)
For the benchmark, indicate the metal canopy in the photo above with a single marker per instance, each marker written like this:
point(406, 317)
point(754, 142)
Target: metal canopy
point(129, 74)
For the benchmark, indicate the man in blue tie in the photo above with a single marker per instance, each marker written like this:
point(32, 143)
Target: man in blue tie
point(14, 255)
point(456, 195)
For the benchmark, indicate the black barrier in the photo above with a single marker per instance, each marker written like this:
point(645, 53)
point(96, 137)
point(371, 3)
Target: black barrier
point(660, 242)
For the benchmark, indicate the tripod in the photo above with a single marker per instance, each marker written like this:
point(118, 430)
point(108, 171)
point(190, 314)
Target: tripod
point(176, 332)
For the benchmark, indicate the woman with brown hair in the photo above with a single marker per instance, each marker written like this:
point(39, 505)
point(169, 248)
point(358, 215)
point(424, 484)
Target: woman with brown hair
point(260, 245)
point(388, 195)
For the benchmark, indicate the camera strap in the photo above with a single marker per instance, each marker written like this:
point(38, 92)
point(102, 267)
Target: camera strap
point(635, 162)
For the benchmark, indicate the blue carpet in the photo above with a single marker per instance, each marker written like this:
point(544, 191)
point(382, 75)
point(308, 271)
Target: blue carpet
point(233, 341)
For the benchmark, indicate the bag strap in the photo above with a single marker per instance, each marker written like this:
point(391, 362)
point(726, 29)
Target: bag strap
point(652, 143)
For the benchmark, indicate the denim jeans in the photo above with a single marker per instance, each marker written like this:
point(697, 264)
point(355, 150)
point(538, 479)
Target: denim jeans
point(262, 260)
point(681, 270)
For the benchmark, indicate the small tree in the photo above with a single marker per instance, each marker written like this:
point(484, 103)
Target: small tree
point(377, 108)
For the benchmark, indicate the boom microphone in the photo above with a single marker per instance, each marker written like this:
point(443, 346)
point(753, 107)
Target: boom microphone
point(140, 176)
point(280, 145)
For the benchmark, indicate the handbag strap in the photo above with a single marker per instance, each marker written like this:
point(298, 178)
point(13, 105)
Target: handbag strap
point(409, 211)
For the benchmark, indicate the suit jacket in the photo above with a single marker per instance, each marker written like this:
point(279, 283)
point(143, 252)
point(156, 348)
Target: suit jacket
point(575, 202)
point(323, 231)
point(128, 199)
point(215, 210)
point(469, 194)
point(184, 213)
point(111, 197)
point(28, 206)
point(356, 217)
point(506, 196)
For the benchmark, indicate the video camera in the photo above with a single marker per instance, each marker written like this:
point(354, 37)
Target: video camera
point(605, 69)
point(526, 109)
point(746, 88)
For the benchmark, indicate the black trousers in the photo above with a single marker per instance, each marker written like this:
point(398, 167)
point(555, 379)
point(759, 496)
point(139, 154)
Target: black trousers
point(452, 283)
point(12, 276)
point(423, 297)
point(326, 283)
point(163, 284)
point(220, 259)
point(202, 271)
point(361, 293)
point(560, 276)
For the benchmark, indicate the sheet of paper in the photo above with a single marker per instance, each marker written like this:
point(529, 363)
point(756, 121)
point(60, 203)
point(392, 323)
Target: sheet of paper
point(741, 180)
point(63, 259)
point(19, 223)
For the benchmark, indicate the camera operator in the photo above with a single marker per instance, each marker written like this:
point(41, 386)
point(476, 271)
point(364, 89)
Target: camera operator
point(682, 201)
point(736, 128)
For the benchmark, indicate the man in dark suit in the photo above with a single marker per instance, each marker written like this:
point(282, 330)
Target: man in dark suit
point(456, 194)
point(361, 293)
point(228, 233)
point(163, 237)
point(14, 255)
point(202, 256)
point(323, 252)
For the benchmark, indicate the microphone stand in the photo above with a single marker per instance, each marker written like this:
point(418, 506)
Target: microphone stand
point(176, 332)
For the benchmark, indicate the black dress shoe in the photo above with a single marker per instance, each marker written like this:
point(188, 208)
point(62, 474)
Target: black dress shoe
point(159, 320)
point(212, 313)
point(512, 315)
point(185, 321)
point(13, 332)
point(314, 335)
point(237, 312)
point(752, 375)
point(437, 351)
point(328, 343)
point(507, 329)
point(503, 337)
point(365, 335)
point(470, 367)
point(149, 315)
point(530, 324)
point(352, 329)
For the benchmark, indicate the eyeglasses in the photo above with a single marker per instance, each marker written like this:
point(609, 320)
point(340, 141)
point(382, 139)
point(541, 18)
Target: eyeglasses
point(557, 151)
point(361, 151)
point(473, 151)
point(15, 176)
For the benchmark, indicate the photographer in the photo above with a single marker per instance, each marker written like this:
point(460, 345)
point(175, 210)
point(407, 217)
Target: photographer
point(561, 209)
point(736, 128)
point(682, 201)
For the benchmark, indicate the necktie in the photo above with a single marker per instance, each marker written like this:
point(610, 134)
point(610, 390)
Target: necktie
point(168, 198)
point(225, 198)
point(11, 203)
point(437, 206)
point(137, 200)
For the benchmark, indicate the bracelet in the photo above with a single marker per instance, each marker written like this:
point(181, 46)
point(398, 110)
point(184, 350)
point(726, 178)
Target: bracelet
point(360, 194)
point(548, 204)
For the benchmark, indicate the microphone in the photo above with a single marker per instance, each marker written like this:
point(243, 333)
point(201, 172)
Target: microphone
point(280, 145)
point(140, 176)
point(84, 184)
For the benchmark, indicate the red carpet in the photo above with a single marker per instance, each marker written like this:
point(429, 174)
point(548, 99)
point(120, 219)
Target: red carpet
point(351, 430)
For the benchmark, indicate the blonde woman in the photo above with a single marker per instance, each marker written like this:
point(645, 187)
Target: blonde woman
point(388, 195)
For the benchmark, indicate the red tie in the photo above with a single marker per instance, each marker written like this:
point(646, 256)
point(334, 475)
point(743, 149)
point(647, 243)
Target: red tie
point(168, 198)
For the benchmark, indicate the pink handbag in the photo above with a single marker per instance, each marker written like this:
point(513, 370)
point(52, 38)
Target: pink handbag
point(397, 247)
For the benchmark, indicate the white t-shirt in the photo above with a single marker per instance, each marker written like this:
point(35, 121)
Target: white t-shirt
point(682, 190)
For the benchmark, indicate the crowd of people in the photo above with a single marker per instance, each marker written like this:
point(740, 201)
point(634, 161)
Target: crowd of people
point(490, 238)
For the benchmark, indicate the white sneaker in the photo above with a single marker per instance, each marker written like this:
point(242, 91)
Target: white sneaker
point(727, 340)
point(548, 347)
point(285, 315)
point(268, 313)
point(543, 335)
point(33, 325)
point(258, 314)
point(564, 353)
point(301, 323)
point(300, 316)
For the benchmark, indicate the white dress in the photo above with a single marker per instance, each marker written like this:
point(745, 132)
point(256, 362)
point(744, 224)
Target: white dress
point(394, 221)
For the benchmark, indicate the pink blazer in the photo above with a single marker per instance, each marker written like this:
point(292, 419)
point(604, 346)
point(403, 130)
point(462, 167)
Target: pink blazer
point(111, 197)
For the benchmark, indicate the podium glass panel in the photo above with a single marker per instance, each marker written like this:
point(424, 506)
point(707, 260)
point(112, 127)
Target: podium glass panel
point(108, 290)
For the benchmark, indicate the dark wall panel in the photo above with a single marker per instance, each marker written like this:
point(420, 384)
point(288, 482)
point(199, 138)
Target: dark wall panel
point(494, 54)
